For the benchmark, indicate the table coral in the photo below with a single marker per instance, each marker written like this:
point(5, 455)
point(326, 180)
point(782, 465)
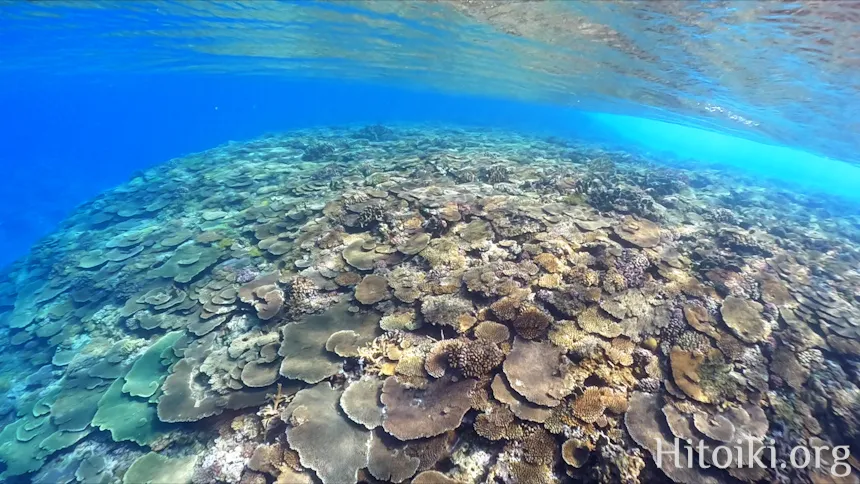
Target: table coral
point(418, 413)
point(327, 442)
point(536, 371)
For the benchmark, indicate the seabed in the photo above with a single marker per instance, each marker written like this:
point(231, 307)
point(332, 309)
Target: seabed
point(430, 305)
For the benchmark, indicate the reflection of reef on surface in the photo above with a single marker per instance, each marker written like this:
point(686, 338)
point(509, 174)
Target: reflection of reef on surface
point(427, 305)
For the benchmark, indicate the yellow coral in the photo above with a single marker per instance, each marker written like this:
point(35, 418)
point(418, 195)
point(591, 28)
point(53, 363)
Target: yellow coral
point(575, 452)
point(411, 364)
point(594, 320)
point(614, 282)
point(589, 406)
point(615, 401)
point(583, 275)
point(621, 351)
point(506, 308)
point(549, 281)
point(685, 373)
point(548, 262)
point(566, 334)
point(444, 254)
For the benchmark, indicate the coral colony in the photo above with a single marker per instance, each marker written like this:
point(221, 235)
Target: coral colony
point(433, 305)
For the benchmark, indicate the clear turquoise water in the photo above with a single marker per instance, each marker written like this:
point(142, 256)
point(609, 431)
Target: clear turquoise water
point(91, 92)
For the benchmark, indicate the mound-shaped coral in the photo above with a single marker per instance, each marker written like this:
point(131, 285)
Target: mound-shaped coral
point(475, 358)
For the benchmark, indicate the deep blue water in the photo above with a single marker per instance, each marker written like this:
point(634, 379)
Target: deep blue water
point(90, 95)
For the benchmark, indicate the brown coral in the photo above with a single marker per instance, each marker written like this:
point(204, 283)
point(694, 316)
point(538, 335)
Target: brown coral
point(538, 446)
point(575, 453)
point(328, 443)
point(496, 424)
point(521, 407)
point(638, 231)
point(475, 358)
point(389, 462)
point(745, 318)
point(594, 320)
point(589, 406)
point(446, 310)
point(685, 372)
point(264, 295)
point(433, 477)
point(532, 323)
point(492, 332)
point(506, 308)
point(303, 345)
point(360, 402)
point(548, 262)
point(371, 290)
point(436, 363)
point(418, 413)
point(643, 422)
point(538, 372)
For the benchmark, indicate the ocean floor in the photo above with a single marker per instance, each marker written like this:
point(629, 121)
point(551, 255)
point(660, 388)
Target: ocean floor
point(431, 305)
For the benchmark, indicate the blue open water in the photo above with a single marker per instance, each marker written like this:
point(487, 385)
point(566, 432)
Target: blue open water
point(91, 92)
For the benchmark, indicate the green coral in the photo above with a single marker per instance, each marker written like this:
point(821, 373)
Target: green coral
point(127, 417)
point(717, 379)
point(21, 456)
point(28, 441)
point(149, 371)
point(153, 468)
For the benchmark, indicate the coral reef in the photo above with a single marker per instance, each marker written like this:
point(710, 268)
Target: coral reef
point(384, 305)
